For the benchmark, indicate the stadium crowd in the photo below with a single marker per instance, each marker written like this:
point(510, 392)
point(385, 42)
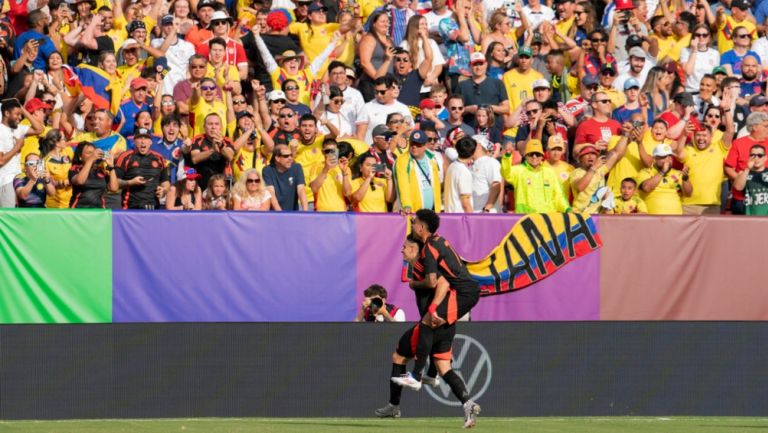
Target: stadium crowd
point(617, 106)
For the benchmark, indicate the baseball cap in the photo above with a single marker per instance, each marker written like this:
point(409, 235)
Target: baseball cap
point(623, 5)
point(476, 57)
point(719, 70)
point(741, 4)
point(670, 67)
point(350, 73)
point(630, 83)
point(381, 131)
point(276, 95)
point(141, 132)
point(418, 137)
point(135, 25)
point(35, 104)
point(138, 83)
point(555, 142)
point(130, 43)
point(191, 174)
point(483, 141)
point(586, 150)
point(637, 52)
point(634, 41)
point(534, 146)
point(525, 51)
point(684, 98)
point(207, 3)
point(426, 103)
point(167, 19)
point(607, 67)
point(662, 150)
point(756, 101)
point(589, 80)
point(538, 84)
point(317, 6)
point(161, 64)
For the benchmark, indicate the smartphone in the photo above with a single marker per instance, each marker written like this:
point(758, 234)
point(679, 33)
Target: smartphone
point(379, 168)
point(40, 166)
point(637, 123)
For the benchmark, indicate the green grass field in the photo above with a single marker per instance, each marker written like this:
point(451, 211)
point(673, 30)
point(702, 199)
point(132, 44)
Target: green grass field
point(404, 425)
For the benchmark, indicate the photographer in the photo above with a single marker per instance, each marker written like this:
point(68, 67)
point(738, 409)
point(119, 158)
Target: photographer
point(376, 309)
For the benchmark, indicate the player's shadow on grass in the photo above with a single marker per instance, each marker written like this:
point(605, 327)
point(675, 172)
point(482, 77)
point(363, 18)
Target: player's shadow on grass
point(335, 424)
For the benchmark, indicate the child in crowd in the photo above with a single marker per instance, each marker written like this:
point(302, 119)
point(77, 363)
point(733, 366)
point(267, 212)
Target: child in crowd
point(629, 202)
point(216, 196)
point(438, 94)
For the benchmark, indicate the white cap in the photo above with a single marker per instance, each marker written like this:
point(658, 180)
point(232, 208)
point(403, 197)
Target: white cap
point(275, 95)
point(129, 43)
point(662, 150)
point(477, 57)
point(540, 83)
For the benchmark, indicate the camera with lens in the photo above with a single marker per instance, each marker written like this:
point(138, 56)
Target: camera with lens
point(253, 136)
point(376, 304)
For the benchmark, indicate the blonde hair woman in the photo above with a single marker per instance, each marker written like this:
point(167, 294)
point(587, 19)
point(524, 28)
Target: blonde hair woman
point(249, 193)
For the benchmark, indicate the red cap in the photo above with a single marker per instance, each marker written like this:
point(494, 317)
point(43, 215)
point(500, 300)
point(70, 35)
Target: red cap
point(35, 104)
point(624, 5)
point(426, 103)
point(138, 83)
point(586, 150)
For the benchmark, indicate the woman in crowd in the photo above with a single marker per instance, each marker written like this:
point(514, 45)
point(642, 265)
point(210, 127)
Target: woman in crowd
point(291, 89)
point(185, 194)
point(330, 113)
point(373, 190)
point(498, 59)
point(249, 193)
point(91, 174)
point(182, 16)
point(500, 25)
point(415, 33)
point(656, 89)
point(700, 58)
point(376, 51)
point(484, 120)
point(34, 186)
point(164, 106)
point(585, 21)
point(58, 160)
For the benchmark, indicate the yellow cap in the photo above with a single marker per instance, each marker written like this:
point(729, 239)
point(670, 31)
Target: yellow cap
point(534, 146)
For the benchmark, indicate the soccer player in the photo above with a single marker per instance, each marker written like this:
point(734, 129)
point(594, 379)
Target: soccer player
point(440, 350)
point(448, 304)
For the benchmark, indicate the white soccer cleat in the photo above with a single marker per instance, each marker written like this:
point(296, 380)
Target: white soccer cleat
point(408, 381)
point(471, 411)
point(431, 381)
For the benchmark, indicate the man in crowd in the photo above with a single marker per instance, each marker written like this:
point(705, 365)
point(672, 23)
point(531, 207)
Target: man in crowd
point(537, 188)
point(417, 177)
point(376, 111)
point(285, 180)
point(753, 182)
point(142, 174)
point(738, 155)
point(663, 185)
point(482, 90)
point(212, 151)
point(11, 140)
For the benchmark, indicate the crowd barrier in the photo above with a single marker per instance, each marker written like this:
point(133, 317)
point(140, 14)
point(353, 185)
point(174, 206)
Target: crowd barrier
point(152, 267)
point(184, 370)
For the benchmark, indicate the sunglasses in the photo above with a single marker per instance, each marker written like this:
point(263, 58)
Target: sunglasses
point(287, 116)
point(219, 22)
point(742, 36)
point(207, 88)
point(603, 101)
point(34, 163)
point(457, 108)
point(595, 86)
point(253, 181)
point(196, 66)
point(279, 101)
point(701, 35)
point(531, 112)
point(292, 88)
point(397, 121)
point(715, 116)
point(49, 101)
point(609, 73)
point(751, 155)
point(338, 100)
point(284, 155)
point(579, 12)
point(381, 92)
point(597, 40)
point(431, 139)
point(239, 101)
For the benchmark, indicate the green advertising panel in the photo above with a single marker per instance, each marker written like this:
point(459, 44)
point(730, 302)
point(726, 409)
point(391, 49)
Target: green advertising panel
point(55, 266)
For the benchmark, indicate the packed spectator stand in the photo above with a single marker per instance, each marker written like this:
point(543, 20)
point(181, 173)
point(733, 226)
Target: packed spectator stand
point(617, 107)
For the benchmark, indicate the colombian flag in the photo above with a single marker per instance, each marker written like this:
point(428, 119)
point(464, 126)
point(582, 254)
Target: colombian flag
point(93, 82)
